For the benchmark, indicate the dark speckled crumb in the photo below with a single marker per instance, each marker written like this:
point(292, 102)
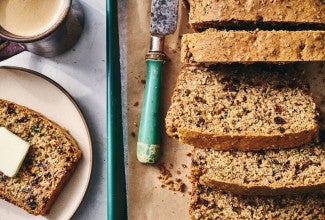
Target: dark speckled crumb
point(207, 203)
point(50, 161)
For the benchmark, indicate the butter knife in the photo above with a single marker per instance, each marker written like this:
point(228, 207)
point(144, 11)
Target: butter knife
point(164, 15)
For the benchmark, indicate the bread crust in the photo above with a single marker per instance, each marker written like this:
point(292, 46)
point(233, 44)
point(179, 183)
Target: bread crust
point(305, 161)
point(223, 141)
point(231, 14)
point(251, 189)
point(29, 182)
point(209, 203)
point(246, 142)
point(252, 46)
point(54, 195)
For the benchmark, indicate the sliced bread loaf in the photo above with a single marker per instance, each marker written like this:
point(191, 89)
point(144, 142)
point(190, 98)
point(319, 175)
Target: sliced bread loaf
point(305, 14)
point(242, 107)
point(50, 161)
point(207, 203)
point(213, 46)
point(272, 172)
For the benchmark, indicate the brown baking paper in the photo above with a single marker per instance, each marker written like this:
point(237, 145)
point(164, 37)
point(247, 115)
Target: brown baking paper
point(147, 198)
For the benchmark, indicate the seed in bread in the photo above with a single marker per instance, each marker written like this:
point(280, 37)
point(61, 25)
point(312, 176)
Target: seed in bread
point(242, 107)
point(50, 161)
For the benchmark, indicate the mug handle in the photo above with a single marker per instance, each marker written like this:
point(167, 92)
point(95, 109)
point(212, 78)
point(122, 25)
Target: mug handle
point(9, 49)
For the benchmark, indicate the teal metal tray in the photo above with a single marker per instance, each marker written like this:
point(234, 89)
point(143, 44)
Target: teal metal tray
point(116, 186)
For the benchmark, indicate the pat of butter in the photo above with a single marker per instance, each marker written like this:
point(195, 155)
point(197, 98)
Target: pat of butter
point(12, 152)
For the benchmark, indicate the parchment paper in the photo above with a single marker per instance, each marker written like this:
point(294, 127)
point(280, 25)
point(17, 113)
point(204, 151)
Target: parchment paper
point(146, 198)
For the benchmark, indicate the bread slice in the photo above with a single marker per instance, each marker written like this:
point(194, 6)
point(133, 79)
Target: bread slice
point(207, 203)
point(213, 46)
point(50, 161)
point(272, 172)
point(307, 14)
point(242, 107)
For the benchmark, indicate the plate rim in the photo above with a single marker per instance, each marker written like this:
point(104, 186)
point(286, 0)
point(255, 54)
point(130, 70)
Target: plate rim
point(67, 94)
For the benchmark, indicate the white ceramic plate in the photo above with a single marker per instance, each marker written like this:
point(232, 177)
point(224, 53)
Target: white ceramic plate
point(41, 94)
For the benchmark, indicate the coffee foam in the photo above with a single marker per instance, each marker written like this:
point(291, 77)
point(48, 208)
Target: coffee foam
point(29, 17)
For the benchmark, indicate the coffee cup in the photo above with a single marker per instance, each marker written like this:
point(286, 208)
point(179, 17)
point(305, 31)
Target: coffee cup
point(43, 27)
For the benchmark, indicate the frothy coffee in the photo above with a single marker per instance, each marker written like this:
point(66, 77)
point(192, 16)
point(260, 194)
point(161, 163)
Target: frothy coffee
point(28, 18)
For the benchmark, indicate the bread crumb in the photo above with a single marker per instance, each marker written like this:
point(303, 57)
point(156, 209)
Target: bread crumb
point(164, 172)
point(166, 179)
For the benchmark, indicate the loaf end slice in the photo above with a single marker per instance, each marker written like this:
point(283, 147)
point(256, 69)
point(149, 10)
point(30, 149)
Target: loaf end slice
point(207, 203)
point(50, 161)
point(214, 46)
point(242, 107)
point(308, 14)
point(272, 172)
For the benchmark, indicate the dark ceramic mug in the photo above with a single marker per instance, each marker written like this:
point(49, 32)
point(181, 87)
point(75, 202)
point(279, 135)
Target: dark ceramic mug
point(59, 38)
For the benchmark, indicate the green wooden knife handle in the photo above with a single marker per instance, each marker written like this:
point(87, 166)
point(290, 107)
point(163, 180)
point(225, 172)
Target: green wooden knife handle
point(148, 145)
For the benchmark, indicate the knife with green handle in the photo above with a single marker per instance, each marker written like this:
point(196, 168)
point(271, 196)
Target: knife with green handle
point(163, 22)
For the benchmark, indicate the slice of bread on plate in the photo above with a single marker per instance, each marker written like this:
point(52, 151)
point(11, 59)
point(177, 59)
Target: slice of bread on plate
point(240, 107)
point(216, 46)
point(284, 14)
point(50, 161)
point(271, 172)
point(207, 203)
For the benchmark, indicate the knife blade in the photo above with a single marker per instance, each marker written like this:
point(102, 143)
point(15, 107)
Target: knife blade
point(164, 15)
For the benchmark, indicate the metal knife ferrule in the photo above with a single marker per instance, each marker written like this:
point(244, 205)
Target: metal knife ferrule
point(157, 44)
point(156, 51)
